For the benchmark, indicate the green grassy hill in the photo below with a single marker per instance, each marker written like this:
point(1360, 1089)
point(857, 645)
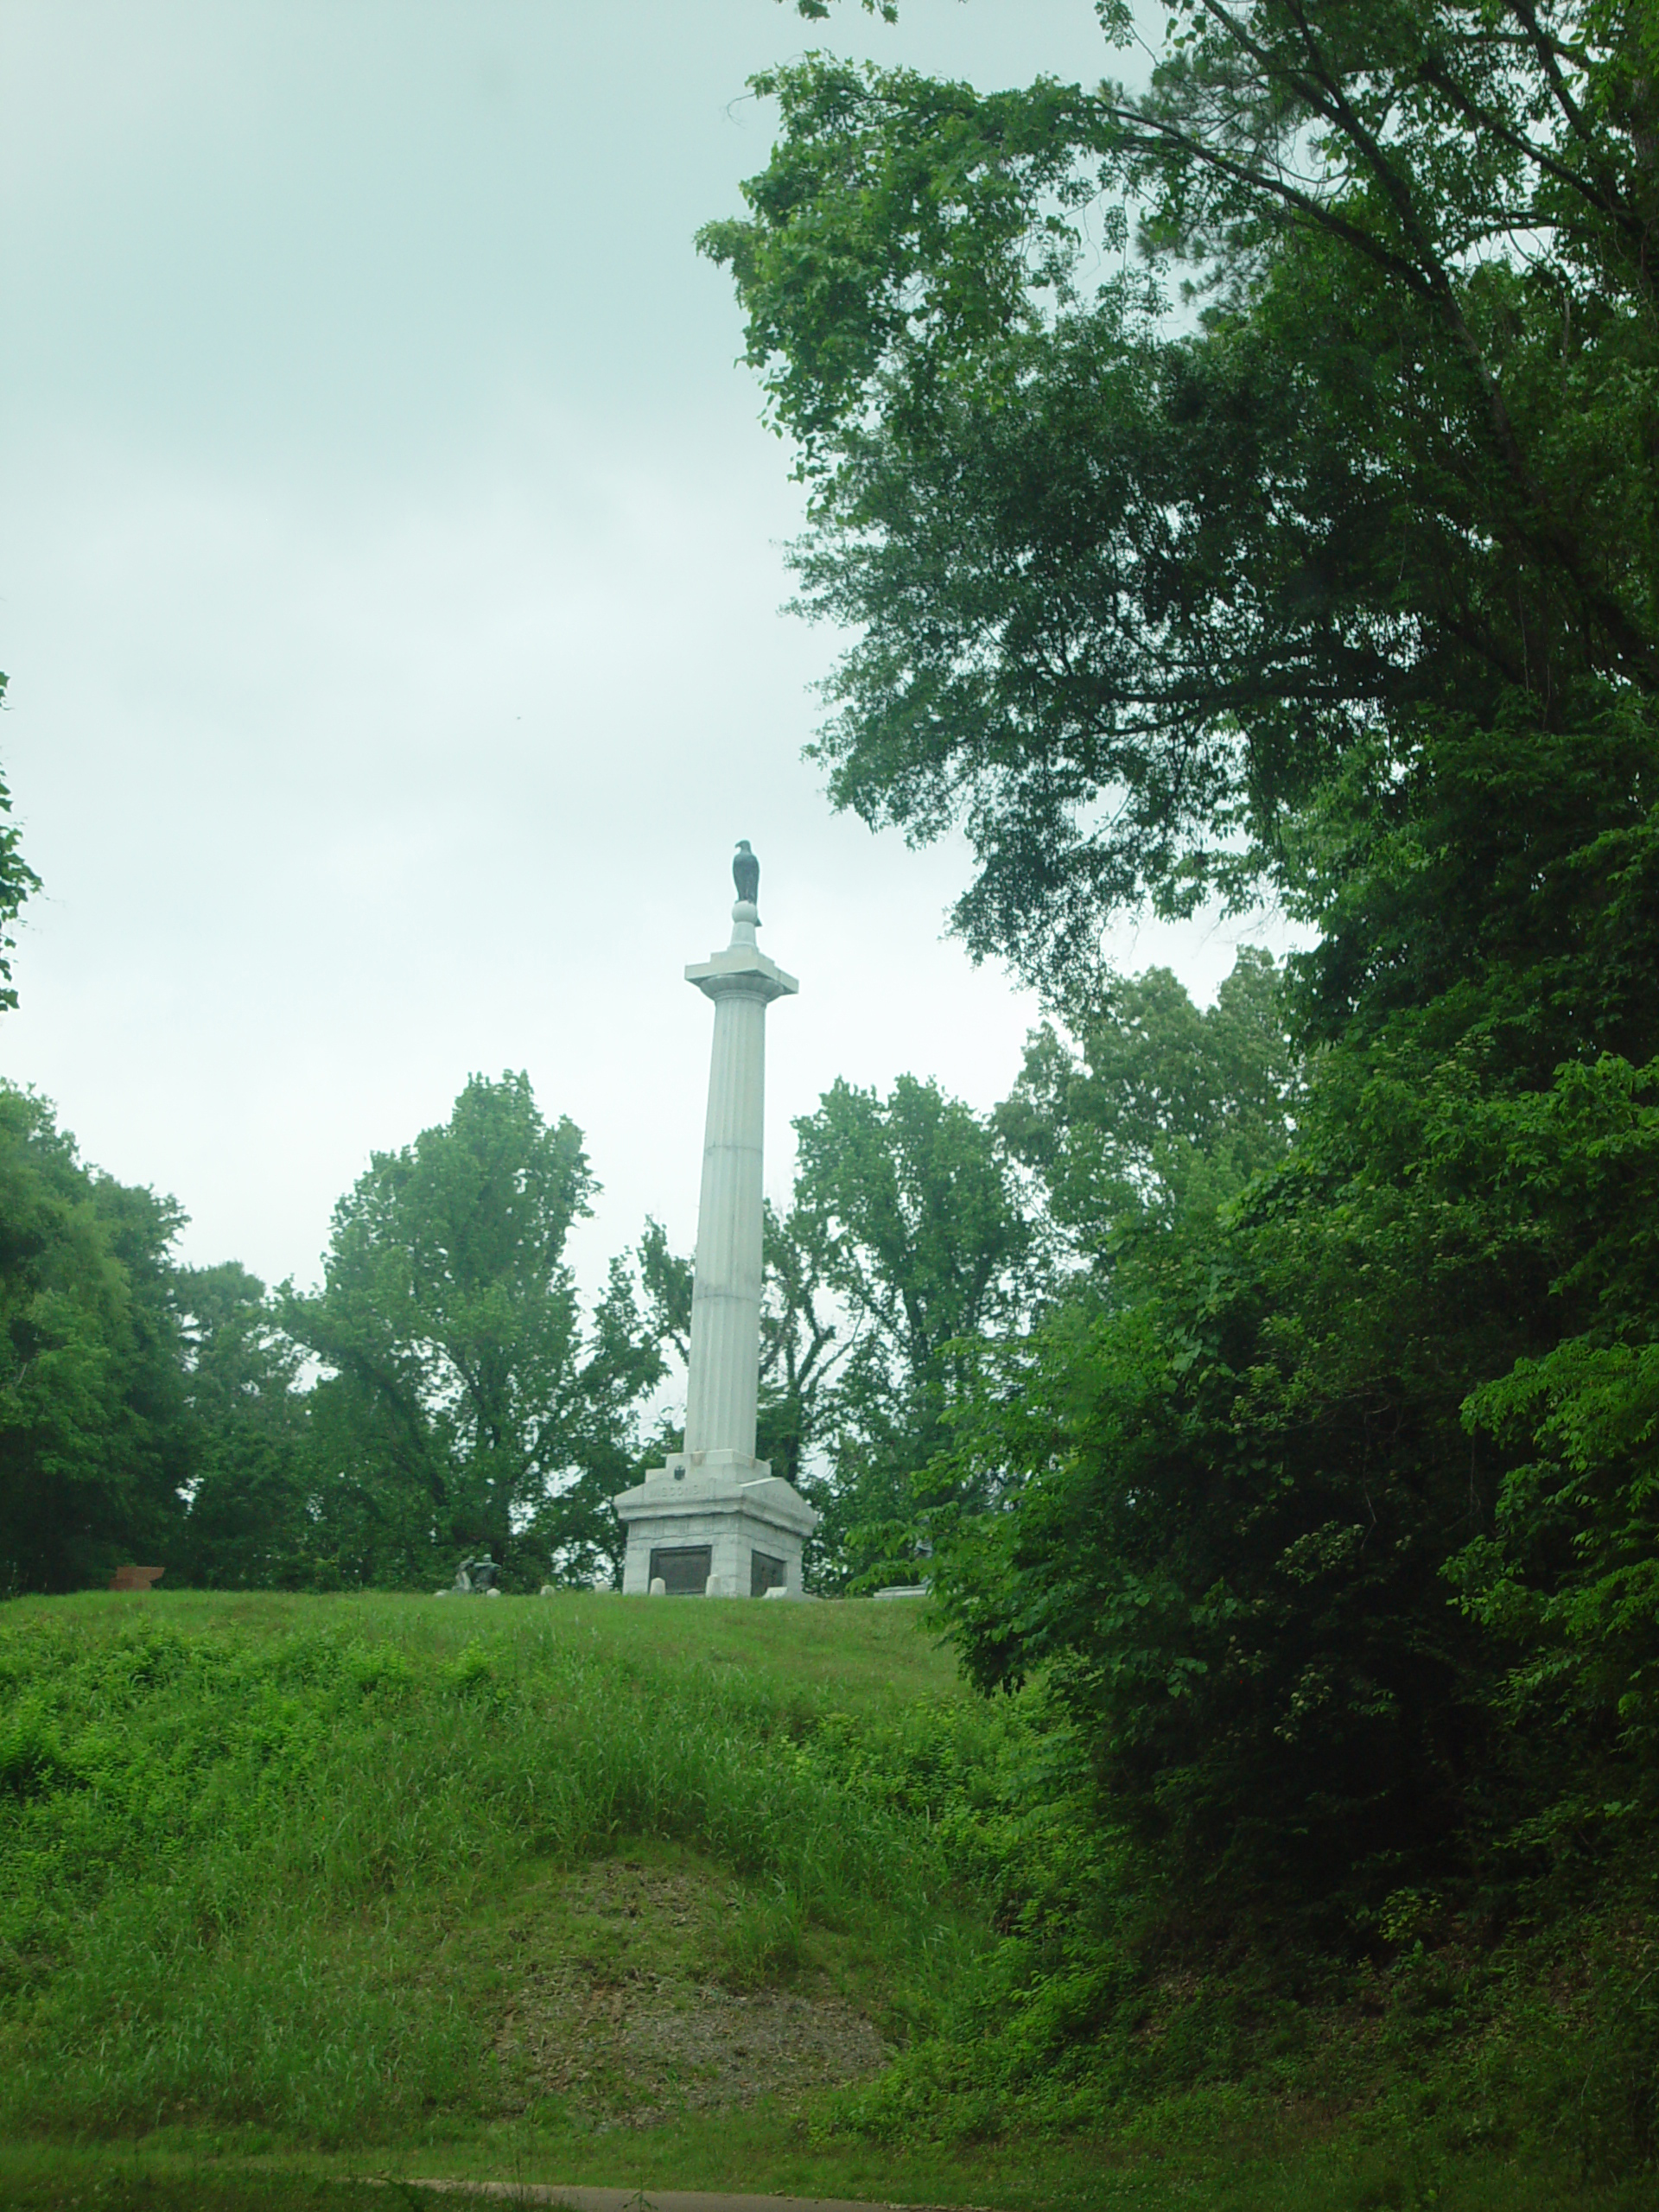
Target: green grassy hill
point(296, 1889)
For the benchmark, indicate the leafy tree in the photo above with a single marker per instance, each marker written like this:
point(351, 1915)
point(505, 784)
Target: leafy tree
point(1161, 1109)
point(251, 1520)
point(1567, 1582)
point(1340, 583)
point(17, 880)
point(1226, 1500)
point(923, 1232)
point(1347, 1493)
point(94, 1445)
point(666, 1278)
point(805, 1338)
point(575, 1527)
point(907, 1230)
point(1131, 599)
point(927, 1236)
point(467, 1406)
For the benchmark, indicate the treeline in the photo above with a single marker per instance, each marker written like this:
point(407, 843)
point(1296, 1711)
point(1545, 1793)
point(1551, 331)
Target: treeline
point(443, 1390)
point(1326, 1505)
point(432, 1396)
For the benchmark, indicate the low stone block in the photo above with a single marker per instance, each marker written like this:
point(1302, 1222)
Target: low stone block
point(136, 1577)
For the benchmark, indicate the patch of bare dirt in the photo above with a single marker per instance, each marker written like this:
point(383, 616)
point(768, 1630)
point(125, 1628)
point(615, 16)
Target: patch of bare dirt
point(607, 2008)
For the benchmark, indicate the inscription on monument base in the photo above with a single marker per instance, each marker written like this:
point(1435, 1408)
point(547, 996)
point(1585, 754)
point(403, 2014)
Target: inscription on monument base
point(685, 1568)
point(765, 1573)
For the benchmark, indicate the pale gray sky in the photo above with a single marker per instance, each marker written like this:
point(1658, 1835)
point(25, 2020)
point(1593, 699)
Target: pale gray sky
point(390, 584)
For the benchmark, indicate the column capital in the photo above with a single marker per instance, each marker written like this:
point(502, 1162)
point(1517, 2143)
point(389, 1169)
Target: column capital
point(741, 971)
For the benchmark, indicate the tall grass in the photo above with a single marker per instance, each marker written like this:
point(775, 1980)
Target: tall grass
point(263, 1862)
point(241, 1861)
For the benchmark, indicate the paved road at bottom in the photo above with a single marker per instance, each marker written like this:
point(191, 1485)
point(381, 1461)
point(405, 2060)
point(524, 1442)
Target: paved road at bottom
point(664, 2200)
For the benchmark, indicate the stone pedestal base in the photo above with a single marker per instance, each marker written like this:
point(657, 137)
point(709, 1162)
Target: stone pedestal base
point(715, 1525)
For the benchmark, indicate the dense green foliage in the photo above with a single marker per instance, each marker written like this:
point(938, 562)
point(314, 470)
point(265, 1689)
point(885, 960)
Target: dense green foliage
point(1311, 551)
point(1131, 598)
point(93, 1444)
point(455, 1397)
point(465, 1407)
point(276, 1873)
point(910, 1236)
point(929, 1248)
point(17, 880)
point(1159, 1112)
point(253, 1522)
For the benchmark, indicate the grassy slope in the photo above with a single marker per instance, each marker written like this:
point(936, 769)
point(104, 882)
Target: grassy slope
point(277, 1875)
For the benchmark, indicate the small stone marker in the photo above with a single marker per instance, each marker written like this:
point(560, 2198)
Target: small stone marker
point(136, 1577)
point(658, 1587)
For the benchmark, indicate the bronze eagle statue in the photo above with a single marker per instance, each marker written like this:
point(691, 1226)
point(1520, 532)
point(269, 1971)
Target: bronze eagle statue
point(745, 872)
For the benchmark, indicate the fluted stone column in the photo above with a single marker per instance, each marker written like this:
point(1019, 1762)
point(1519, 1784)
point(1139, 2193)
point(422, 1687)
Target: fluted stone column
point(721, 1391)
point(715, 1496)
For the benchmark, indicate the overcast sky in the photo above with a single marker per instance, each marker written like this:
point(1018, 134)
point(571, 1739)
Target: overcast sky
point(391, 584)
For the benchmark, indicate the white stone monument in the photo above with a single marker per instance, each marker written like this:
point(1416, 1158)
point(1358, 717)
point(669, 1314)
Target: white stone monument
point(716, 1521)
